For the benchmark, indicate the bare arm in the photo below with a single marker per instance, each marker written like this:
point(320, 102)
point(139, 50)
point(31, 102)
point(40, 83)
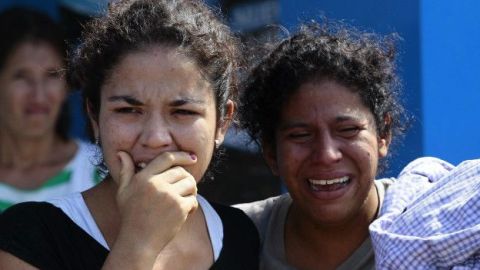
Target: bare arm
point(10, 262)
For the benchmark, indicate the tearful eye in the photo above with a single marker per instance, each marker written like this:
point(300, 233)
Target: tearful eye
point(128, 110)
point(298, 135)
point(349, 131)
point(184, 112)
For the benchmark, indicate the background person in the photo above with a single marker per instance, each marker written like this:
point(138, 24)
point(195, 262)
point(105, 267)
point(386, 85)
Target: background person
point(323, 106)
point(158, 80)
point(38, 159)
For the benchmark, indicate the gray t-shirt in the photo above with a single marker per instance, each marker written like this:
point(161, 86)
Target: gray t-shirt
point(269, 216)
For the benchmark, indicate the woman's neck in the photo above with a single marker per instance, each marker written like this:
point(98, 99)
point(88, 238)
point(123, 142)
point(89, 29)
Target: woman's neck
point(330, 245)
point(26, 153)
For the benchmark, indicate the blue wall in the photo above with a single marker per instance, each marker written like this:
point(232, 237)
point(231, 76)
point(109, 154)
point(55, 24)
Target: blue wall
point(382, 17)
point(451, 78)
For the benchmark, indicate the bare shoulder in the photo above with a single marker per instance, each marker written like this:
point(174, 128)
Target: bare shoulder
point(10, 262)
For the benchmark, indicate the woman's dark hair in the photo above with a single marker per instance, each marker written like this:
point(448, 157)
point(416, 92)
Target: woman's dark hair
point(363, 62)
point(22, 25)
point(188, 26)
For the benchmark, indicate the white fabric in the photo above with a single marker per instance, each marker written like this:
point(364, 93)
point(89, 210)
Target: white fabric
point(430, 219)
point(75, 208)
point(214, 225)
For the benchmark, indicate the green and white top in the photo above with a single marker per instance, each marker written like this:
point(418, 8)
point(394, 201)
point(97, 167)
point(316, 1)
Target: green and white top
point(78, 175)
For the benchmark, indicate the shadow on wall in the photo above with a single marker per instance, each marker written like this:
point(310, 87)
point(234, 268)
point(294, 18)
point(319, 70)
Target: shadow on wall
point(242, 176)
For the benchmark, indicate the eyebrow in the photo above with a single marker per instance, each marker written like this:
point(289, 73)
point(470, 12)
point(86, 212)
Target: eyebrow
point(348, 117)
point(302, 124)
point(186, 100)
point(135, 102)
point(126, 98)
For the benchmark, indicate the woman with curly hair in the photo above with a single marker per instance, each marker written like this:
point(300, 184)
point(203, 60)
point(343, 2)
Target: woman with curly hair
point(323, 107)
point(159, 85)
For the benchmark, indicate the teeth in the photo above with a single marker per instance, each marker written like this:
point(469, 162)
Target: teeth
point(340, 180)
point(142, 165)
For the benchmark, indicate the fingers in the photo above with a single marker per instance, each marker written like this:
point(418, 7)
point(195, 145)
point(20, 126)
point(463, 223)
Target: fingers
point(127, 169)
point(181, 181)
point(167, 160)
point(191, 203)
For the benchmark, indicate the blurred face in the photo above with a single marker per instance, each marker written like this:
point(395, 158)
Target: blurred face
point(156, 101)
point(31, 90)
point(327, 152)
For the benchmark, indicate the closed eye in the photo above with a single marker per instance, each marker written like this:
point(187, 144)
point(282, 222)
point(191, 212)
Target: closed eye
point(350, 131)
point(128, 110)
point(298, 135)
point(184, 112)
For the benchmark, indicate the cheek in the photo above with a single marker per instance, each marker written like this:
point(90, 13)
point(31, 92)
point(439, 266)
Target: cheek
point(16, 95)
point(197, 138)
point(290, 157)
point(115, 137)
point(57, 94)
point(368, 159)
point(15, 102)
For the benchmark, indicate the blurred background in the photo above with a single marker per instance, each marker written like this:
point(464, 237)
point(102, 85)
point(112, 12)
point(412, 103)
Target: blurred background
point(439, 64)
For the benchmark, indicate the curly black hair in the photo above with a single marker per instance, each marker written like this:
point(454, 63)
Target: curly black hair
point(132, 25)
point(20, 25)
point(364, 62)
point(189, 27)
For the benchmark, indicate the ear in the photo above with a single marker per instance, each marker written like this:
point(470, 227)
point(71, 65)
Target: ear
point(269, 154)
point(225, 122)
point(92, 120)
point(383, 144)
point(384, 141)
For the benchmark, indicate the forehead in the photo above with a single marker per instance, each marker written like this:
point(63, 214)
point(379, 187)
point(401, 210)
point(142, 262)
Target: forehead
point(324, 99)
point(157, 70)
point(34, 52)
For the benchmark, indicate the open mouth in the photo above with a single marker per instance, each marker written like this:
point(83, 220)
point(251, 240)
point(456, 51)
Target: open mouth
point(329, 184)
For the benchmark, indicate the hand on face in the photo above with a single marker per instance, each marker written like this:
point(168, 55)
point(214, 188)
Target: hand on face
point(157, 200)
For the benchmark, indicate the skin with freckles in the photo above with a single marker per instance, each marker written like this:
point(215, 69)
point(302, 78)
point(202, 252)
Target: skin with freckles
point(325, 132)
point(156, 101)
point(157, 125)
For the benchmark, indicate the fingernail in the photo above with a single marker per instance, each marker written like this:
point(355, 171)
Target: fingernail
point(193, 156)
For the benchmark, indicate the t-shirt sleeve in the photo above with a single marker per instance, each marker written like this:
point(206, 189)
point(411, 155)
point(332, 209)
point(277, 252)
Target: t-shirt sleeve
point(43, 236)
point(21, 233)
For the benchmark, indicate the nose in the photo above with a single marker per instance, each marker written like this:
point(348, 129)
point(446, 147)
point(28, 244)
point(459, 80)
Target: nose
point(39, 90)
point(326, 150)
point(156, 133)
